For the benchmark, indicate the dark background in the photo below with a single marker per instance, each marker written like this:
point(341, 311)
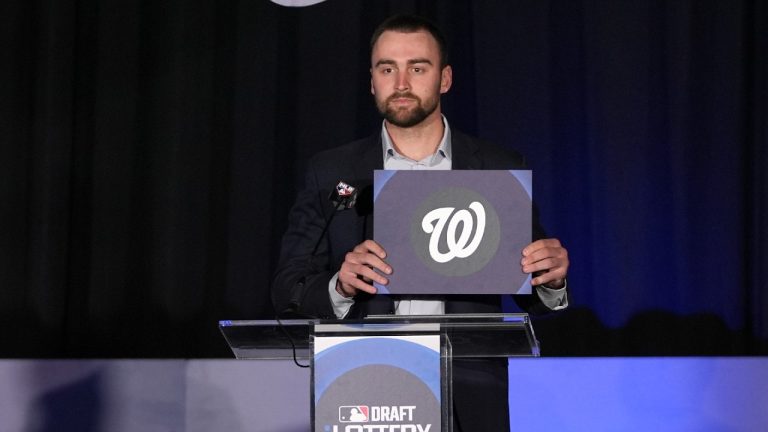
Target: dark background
point(151, 151)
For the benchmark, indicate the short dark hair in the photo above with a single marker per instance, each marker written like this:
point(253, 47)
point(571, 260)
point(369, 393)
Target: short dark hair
point(404, 23)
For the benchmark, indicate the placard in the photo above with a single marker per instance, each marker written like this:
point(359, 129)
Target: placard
point(454, 231)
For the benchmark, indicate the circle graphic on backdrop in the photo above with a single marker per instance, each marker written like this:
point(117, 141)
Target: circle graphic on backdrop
point(297, 3)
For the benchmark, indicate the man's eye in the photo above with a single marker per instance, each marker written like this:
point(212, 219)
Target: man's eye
point(418, 69)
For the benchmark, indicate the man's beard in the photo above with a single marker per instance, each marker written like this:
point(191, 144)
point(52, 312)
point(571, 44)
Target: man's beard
point(407, 117)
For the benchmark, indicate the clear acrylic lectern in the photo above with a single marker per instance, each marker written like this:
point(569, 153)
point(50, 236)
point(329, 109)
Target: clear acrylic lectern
point(345, 353)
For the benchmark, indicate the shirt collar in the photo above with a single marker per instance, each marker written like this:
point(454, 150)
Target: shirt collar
point(443, 150)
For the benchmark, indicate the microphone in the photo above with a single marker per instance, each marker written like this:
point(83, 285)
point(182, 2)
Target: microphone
point(343, 196)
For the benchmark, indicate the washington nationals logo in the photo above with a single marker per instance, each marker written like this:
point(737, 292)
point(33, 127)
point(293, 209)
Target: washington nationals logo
point(435, 222)
point(455, 231)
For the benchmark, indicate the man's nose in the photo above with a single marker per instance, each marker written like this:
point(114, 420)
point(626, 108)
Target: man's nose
point(402, 82)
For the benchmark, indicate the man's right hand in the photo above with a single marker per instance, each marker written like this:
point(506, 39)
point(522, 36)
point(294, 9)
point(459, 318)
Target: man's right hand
point(357, 271)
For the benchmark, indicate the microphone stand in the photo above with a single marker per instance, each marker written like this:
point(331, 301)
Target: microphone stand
point(343, 202)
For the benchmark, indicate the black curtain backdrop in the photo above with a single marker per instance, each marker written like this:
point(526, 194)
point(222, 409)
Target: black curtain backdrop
point(151, 151)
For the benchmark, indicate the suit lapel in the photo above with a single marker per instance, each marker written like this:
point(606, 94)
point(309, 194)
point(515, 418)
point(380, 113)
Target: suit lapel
point(465, 152)
point(369, 158)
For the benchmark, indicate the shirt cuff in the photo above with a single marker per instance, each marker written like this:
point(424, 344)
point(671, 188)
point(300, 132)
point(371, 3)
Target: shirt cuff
point(555, 299)
point(341, 305)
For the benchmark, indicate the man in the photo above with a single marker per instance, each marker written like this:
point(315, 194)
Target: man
point(330, 274)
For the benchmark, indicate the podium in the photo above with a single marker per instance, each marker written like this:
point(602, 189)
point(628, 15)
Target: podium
point(388, 372)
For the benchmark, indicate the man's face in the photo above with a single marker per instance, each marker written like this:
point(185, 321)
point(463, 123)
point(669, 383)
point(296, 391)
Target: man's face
point(406, 79)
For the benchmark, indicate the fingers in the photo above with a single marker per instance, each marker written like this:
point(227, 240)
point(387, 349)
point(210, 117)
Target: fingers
point(541, 244)
point(554, 279)
point(372, 247)
point(357, 271)
point(547, 260)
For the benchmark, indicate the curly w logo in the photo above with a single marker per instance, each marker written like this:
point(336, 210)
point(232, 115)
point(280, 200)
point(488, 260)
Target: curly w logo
point(459, 245)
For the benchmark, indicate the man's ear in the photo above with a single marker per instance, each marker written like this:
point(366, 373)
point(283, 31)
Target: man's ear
point(446, 79)
point(373, 91)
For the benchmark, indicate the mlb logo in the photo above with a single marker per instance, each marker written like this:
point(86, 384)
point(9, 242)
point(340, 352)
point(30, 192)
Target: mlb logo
point(353, 414)
point(344, 189)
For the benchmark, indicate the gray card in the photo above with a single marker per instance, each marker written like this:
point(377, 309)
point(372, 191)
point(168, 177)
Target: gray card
point(454, 232)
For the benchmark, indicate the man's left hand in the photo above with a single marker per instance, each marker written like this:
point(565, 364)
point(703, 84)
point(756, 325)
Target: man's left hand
point(547, 261)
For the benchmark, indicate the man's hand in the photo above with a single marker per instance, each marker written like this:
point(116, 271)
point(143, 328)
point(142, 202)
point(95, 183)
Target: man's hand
point(547, 261)
point(356, 272)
